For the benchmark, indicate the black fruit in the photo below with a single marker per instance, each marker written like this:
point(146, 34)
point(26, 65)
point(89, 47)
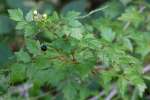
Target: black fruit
point(43, 47)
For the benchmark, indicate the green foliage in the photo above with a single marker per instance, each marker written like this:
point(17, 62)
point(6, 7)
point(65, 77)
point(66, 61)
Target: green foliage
point(23, 56)
point(18, 73)
point(107, 34)
point(132, 15)
point(16, 15)
point(83, 56)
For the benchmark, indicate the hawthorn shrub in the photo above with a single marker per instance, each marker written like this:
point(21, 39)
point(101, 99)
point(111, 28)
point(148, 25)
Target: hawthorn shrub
point(66, 58)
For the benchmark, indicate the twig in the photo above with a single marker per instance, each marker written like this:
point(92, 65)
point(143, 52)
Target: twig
point(112, 93)
point(98, 96)
point(126, 25)
point(22, 90)
point(92, 12)
point(146, 69)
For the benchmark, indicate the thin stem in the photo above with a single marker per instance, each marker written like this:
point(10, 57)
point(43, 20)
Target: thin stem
point(146, 69)
point(92, 12)
point(102, 93)
point(112, 94)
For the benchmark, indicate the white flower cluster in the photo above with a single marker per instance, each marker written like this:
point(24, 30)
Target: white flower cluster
point(39, 17)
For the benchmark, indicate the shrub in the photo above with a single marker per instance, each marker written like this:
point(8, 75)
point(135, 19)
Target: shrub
point(65, 57)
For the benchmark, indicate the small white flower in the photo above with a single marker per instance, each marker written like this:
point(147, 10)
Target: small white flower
point(35, 12)
point(44, 16)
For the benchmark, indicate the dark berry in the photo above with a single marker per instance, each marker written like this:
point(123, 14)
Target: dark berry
point(43, 47)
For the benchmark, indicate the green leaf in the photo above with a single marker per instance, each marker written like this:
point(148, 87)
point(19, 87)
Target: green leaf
point(136, 79)
point(54, 17)
point(29, 30)
point(76, 33)
point(132, 15)
point(122, 86)
point(108, 34)
point(16, 14)
point(141, 87)
point(84, 93)
point(106, 78)
point(70, 91)
point(90, 42)
point(128, 44)
point(40, 77)
point(56, 76)
point(18, 73)
point(29, 16)
point(23, 56)
point(74, 23)
point(72, 15)
point(21, 25)
point(41, 62)
point(73, 28)
point(33, 46)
